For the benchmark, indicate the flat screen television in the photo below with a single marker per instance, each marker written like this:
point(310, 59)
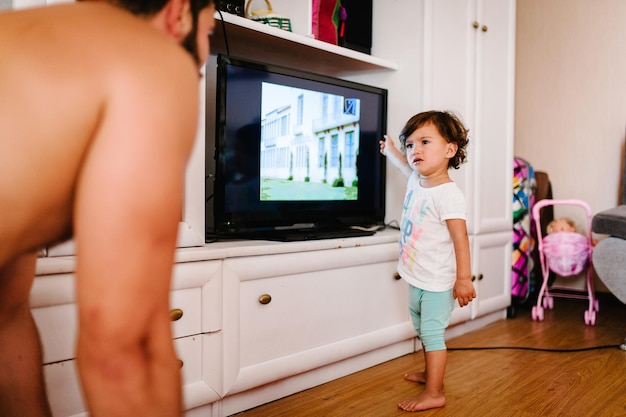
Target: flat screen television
point(297, 154)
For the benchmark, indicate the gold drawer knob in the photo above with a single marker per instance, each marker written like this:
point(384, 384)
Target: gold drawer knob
point(180, 363)
point(176, 314)
point(265, 299)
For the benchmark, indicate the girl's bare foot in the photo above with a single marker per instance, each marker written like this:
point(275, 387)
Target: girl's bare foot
point(423, 401)
point(419, 377)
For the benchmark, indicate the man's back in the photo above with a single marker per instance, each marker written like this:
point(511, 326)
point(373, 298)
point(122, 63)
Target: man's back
point(70, 76)
point(98, 113)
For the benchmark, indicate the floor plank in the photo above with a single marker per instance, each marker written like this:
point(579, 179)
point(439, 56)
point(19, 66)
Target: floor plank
point(499, 382)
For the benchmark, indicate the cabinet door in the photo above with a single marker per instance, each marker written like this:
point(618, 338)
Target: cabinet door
point(470, 71)
point(449, 73)
point(494, 112)
point(290, 313)
point(491, 255)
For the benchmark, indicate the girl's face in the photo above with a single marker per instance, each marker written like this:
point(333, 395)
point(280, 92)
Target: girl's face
point(428, 152)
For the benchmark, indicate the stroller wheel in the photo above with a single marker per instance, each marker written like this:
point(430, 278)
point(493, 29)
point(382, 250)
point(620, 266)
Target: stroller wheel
point(590, 317)
point(548, 302)
point(537, 313)
point(596, 305)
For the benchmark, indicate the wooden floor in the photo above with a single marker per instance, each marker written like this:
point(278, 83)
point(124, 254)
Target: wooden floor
point(502, 382)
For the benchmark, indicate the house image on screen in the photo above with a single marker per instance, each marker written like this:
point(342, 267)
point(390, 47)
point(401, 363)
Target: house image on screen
point(308, 137)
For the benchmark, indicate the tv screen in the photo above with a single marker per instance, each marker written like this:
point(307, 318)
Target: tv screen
point(296, 153)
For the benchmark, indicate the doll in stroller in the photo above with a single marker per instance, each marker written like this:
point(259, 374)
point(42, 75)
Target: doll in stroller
point(566, 253)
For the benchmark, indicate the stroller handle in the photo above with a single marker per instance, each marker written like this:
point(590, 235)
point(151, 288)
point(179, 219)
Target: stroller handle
point(549, 202)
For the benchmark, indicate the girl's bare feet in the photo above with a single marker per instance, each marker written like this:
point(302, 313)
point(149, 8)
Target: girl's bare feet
point(423, 401)
point(419, 377)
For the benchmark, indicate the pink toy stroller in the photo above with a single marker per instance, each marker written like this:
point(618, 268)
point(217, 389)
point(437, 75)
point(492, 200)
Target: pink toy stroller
point(566, 254)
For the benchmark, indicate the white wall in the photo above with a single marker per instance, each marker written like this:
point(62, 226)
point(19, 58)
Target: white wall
point(570, 117)
point(404, 85)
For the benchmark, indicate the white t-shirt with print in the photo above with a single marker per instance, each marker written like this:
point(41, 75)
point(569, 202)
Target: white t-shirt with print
point(427, 258)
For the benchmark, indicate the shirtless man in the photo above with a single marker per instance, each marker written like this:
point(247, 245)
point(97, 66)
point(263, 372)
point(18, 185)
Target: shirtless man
point(98, 111)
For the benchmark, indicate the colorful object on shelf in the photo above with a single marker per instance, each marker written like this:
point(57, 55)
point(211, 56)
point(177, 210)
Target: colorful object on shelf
point(327, 15)
point(268, 16)
point(343, 16)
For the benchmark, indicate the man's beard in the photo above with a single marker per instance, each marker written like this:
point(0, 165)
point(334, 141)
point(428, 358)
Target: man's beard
point(191, 45)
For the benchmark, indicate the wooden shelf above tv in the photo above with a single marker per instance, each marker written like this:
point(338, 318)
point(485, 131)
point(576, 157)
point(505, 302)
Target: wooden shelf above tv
point(256, 41)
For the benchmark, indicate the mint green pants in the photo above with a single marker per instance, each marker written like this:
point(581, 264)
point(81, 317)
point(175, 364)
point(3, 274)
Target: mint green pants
point(430, 312)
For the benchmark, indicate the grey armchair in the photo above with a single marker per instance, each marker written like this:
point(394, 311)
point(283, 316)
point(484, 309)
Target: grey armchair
point(609, 255)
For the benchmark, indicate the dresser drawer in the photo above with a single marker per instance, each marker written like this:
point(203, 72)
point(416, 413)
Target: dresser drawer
point(185, 312)
point(287, 314)
point(65, 395)
point(57, 328)
point(200, 368)
point(58, 324)
point(64, 392)
point(282, 316)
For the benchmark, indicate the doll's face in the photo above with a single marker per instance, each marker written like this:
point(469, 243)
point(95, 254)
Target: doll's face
point(560, 225)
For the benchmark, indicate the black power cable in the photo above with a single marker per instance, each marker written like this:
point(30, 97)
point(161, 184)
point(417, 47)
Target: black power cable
point(552, 350)
point(224, 31)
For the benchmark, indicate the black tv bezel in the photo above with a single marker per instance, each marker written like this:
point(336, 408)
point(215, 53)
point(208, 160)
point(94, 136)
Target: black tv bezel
point(284, 216)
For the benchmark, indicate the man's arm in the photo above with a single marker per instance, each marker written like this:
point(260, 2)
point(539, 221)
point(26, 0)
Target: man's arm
point(464, 290)
point(21, 373)
point(128, 206)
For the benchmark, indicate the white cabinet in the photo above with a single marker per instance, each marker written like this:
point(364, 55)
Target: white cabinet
point(196, 313)
point(469, 69)
point(491, 257)
point(196, 306)
point(288, 314)
point(471, 51)
point(258, 321)
point(491, 266)
point(470, 65)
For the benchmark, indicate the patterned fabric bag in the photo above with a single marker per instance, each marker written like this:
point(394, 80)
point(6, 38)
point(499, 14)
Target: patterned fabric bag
point(524, 186)
point(268, 16)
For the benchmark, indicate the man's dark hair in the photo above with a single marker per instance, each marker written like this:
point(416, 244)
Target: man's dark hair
point(151, 7)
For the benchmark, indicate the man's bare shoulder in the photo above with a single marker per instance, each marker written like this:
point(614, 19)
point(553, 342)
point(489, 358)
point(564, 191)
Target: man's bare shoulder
point(80, 35)
point(75, 77)
point(86, 56)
